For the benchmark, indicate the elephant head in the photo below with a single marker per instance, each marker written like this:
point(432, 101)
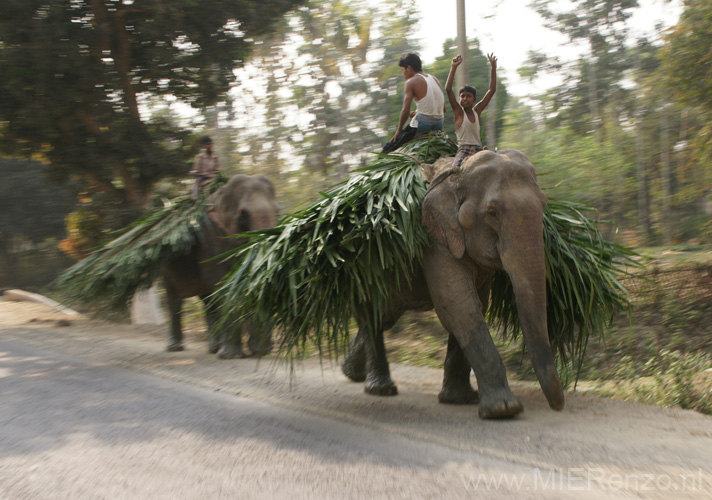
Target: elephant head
point(490, 211)
point(245, 203)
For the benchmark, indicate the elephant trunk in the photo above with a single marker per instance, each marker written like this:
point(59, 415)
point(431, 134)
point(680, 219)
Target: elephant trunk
point(263, 212)
point(263, 220)
point(524, 262)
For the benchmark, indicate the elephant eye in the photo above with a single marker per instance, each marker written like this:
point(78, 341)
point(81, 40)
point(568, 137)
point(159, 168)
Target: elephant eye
point(491, 211)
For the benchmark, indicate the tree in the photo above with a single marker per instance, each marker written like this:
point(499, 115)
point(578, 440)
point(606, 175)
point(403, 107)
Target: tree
point(78, 76)
point(592, 91)
point(687, 69)
point(328, 83)
point(686, 58)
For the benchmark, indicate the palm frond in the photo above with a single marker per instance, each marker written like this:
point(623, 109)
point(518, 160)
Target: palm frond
point(135, 257)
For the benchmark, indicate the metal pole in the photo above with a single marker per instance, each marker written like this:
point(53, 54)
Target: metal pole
point(461, 76)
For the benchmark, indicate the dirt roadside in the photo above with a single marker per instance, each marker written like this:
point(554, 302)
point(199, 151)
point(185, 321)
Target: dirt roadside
point(646, 450)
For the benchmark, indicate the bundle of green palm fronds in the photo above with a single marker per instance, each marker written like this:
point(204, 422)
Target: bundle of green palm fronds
point(135, 257)
point(364, 235)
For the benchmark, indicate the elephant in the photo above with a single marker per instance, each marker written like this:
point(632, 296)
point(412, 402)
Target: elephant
point(244, 203)
point(484, 216)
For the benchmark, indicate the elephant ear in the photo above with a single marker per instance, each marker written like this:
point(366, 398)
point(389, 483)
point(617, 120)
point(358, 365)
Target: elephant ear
point(440, 213)
point(267, 183)
point(215, 218)
point(222, 203)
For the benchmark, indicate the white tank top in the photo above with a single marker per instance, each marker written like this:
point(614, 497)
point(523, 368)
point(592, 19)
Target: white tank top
point(433, 104)
point(469, 132)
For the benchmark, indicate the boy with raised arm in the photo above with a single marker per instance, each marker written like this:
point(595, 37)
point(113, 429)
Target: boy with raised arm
point(467, 113)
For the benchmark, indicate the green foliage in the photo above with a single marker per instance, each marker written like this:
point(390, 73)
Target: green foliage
point(627, 130)
point(136, 257)
point(579, 167)
point(363, 237)
point(686, 73)
point(593, 88)
point(686, 57)
point(621, 172)
point(668, 378)
point(76, 74)
point(33, 269)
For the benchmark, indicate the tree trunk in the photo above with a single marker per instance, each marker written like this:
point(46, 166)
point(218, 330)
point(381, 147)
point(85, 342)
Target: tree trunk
point(642, 180)
point(665, 174)
point(593, 101)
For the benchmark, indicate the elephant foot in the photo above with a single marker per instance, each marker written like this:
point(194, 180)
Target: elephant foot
point(353, 370)
point(458, 394)
point(213, 345)
point(174, 346)
point(380, 386)
point(500, 404)
point(230, 353)
point(259, 347)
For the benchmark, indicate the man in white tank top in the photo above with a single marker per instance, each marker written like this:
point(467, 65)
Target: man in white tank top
point(467, 114)
point(427, 93)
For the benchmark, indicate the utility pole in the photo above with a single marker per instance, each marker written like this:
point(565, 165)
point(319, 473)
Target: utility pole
point(461, 44)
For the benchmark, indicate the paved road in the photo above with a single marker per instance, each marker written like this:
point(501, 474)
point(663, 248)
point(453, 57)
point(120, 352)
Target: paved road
point(100, 411)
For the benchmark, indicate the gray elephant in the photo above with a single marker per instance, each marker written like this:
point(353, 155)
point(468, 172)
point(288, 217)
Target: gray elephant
point(484, 216)
point(245, 203)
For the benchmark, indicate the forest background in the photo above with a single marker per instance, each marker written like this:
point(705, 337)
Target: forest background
point(102, 104)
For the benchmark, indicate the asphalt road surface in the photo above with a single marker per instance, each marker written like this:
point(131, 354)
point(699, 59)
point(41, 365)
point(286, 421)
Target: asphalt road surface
point(98, 410)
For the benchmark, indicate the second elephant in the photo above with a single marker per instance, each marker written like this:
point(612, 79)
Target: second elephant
point(484, 216)
point(245, 203)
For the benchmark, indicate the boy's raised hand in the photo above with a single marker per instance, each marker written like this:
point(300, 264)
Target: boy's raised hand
point(492, 60)
point(456, 61)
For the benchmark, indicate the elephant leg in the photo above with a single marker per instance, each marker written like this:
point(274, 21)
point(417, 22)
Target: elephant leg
point(214, 335)
point(353, 364)
point(260, 340)
point(175, 303)
point(231, 345)
point(378, 374)
point(227, 344)
point(213, 343)
point(452, 288)
point(457, 389)
point(378, 377)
